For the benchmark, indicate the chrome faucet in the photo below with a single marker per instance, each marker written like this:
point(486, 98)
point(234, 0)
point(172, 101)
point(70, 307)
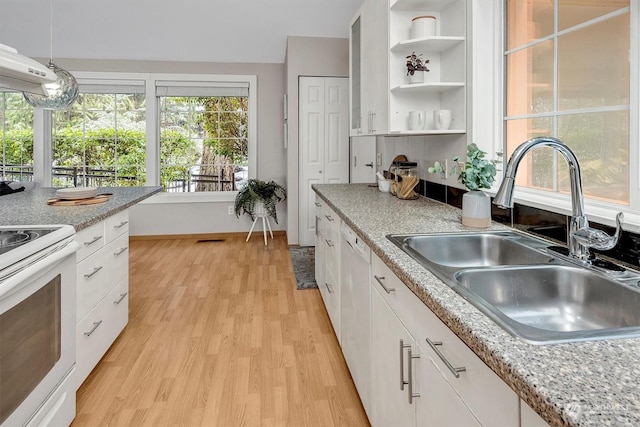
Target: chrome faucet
point(581, 236)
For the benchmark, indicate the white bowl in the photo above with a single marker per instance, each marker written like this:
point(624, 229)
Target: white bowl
point(384, 185)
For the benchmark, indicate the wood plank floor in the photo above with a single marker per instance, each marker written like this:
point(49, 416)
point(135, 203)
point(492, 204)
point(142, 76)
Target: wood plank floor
point(219, 336)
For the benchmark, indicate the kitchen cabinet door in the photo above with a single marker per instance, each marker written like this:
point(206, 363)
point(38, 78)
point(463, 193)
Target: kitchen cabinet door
point(438, 404)
point(390, 383)
point(320, 254)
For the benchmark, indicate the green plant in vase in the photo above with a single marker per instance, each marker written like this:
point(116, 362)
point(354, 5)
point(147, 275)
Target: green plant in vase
point(257, 193)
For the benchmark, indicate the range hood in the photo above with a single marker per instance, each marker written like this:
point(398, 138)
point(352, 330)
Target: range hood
point(21, 73)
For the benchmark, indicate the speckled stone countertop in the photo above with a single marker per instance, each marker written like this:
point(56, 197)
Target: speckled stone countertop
point(30, 207)
point(580, 384)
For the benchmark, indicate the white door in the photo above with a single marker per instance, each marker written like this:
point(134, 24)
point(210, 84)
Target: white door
point(363, 157)
point(324, 143)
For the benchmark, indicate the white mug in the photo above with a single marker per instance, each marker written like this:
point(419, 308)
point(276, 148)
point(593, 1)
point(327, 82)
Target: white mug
point(441, 119)
point(416, 120)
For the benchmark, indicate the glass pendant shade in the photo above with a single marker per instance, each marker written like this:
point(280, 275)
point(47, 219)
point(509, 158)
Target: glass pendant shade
point(62, 92)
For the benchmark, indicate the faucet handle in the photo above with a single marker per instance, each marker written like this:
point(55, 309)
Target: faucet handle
point(598, 239)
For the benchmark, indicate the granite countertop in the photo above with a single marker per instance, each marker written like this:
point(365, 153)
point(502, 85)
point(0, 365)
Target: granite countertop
point(577, 384)
point(30, 207)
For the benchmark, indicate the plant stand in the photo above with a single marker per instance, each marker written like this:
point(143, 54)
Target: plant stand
point(261, 212)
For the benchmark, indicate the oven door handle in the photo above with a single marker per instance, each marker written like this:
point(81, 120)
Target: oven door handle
point(14, 283)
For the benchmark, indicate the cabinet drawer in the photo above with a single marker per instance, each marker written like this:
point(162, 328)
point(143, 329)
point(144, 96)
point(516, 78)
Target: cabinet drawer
point(97, 331)
point(91, 239)
point(394, 292)
point(331, 297)
point(117, 253)
point(487, 396)
point(92, 282)
point(116, 225)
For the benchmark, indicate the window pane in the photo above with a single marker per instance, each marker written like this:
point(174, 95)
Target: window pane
point(601, 143)
point(530, 80)
point(203, 143)
point(572, 12)
point(16, 137)
point(536, 169)
point(593, 65)
point(100, 141)
point(528, 21)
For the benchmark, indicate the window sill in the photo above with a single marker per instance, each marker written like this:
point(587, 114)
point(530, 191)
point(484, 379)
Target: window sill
point(204, 197)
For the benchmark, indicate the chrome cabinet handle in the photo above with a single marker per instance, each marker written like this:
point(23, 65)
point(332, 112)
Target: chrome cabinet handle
point(329, 218)
point(410, 358)
point(122, 297)
point(95, 239)
point(122, 224)
point(317, 233)
point(369, 165)
point(328, 287)
point(402, 347)
point(317, 204)
point(95, 326)
point(120, 251)
point(379, 279)
point(455, 371)
point(329, 243)
point(95, 270)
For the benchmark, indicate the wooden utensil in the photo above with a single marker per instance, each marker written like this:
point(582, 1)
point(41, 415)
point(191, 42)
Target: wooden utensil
point(100, 198)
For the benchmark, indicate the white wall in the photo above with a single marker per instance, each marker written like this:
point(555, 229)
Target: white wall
point(307, 56)
point(152, 218)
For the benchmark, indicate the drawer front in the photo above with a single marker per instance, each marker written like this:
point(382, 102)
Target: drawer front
point(394, 292)
point(97, 331)
point(332, 301)
point(92, 282)
point(117, 253)
point(91, 239)
point(116, 225)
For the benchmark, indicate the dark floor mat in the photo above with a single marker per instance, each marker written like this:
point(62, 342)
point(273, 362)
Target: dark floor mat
point(303, 260)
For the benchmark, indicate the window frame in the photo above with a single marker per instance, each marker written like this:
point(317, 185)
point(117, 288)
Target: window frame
point(489, 50)
point(43, 129)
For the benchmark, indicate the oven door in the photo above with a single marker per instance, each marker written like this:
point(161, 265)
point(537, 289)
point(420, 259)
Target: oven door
point(37, 333)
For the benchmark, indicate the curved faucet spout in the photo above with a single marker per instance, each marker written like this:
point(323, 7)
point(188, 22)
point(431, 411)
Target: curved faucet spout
point(504, 196)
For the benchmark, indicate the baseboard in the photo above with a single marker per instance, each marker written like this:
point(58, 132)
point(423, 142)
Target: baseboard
point(201, 236)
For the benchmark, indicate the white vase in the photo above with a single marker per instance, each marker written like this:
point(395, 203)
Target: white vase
point(416, 77)
point(476, 209)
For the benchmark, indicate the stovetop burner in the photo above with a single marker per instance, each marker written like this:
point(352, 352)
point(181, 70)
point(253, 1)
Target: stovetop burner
point(13, 238)
point(16, 237)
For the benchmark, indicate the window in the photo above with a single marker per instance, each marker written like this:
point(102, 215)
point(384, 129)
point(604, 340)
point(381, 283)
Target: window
point(100, 140)
point(204, 136)
point(16, 137)
point(567, 74)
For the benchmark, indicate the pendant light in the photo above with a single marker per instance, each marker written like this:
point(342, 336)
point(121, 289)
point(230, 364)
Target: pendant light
point(61, 93)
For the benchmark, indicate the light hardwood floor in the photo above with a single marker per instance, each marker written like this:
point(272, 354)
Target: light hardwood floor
point(219, 336)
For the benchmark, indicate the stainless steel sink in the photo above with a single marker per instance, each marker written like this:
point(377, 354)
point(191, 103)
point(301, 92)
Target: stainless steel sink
point(545, 303)
point(528, 290)
point(474, 250)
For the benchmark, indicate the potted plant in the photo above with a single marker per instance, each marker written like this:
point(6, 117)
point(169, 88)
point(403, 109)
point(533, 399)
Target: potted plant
point(416, 67)
point(476, 173)
point(259, 196)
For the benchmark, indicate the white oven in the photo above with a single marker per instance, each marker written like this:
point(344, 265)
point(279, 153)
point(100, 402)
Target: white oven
point(37, 325)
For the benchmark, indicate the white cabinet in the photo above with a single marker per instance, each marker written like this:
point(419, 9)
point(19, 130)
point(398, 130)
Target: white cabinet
point(390, 366)
point(529, 418)
point(369, 51)
point(406, 386)
point(474, 393)
point(381, 41)
point(328, 270)
point(102, 290)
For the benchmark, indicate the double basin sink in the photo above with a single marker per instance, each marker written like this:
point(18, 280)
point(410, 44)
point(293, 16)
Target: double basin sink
point(529, 290)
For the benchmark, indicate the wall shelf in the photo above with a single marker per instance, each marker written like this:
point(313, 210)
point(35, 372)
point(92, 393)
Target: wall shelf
point(429, 44)
point(437, 87)
point(420, 4)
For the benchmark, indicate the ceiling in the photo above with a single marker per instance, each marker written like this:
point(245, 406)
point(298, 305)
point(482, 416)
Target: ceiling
point(185, 30)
